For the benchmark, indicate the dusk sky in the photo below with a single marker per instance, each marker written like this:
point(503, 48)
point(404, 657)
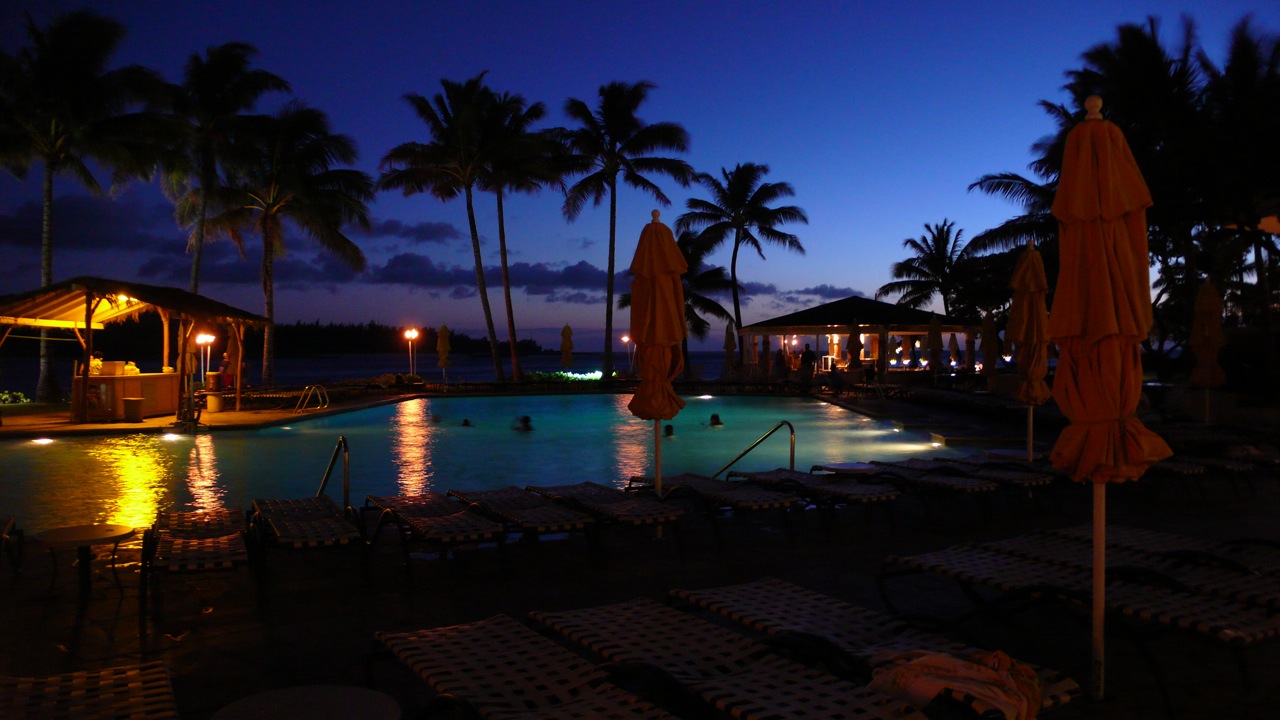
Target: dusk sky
point(880, 115)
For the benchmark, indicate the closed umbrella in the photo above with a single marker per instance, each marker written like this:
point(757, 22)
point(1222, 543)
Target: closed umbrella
point(657, 328)
point(934, 342)
point(442, 351)
point(990, 347)
point(1028, 330)
point(566, 347)
point(907, 347)
point(1206, 342)
point(730, 345)
point(1101, 311)
point(854, 346)
point(953, 349)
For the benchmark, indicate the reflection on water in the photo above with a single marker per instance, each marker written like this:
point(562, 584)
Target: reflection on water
point(202, 475)
point(632, 452)
point(138, 470)
point(411, 446)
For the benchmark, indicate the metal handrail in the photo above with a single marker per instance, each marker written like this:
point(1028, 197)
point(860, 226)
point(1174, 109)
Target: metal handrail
point(321, 395)
point(764, 437)
point(340, 449)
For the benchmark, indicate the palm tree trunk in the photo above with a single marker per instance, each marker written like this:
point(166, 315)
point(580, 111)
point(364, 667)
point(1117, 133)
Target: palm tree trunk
point(1263, 278)
point(484, 293)
point(269, 308)
point(608, 281)
point(46, 386)
point(198, 250)
point(506, 290)
point(737, 307)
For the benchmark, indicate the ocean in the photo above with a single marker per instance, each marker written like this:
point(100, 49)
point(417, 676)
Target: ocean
point(21, 372)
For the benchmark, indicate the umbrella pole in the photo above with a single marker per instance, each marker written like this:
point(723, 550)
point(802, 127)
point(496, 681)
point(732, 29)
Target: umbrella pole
point(657, 458)
point(1031, 433)
point(1099, 589)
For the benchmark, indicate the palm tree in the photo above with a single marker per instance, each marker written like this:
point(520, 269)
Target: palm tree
point(452, 164)
point(294, 179)
point(216, 91)
point(739, 210)
point(612, 141)
point(700, 282)
point(61, 108)
point(934, 269)
point(522, 161)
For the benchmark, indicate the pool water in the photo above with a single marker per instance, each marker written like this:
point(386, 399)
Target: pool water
point(419, 445)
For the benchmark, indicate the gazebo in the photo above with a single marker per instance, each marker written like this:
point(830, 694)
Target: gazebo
point(85, 304)
point(831, 324)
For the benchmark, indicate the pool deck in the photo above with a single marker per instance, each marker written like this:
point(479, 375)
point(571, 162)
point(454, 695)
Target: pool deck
point(312, 617)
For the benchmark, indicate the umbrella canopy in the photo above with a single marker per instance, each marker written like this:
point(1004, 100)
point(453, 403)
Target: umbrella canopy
point(907, 346)
point(1101, 311)
point(934, 342)
point(1206, 338)
point(953, 348)
point(990, 347)
point(657, 329)
point(566, 347)
point(1029, 327)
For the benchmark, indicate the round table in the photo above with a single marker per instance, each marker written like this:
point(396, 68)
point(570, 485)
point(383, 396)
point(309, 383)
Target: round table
point(83, 538)
point(315, 702)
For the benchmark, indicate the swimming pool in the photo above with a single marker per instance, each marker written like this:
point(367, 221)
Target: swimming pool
point(420, 445)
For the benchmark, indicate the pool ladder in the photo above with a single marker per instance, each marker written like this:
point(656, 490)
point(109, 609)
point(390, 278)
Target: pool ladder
point(762, 438)
point(340, 450)
point(316, 392)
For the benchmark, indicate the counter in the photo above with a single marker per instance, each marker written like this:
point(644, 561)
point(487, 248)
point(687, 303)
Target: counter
point(159, 393)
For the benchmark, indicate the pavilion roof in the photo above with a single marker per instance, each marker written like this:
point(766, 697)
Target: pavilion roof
point(63, 305)
point(858, 312)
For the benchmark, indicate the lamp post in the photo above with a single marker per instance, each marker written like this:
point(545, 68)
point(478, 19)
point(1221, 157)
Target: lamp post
point(631, 358)
point(204, 340)
point(411, 334)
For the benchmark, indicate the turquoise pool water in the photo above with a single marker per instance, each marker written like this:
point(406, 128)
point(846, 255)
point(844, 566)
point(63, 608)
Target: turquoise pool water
point(419, 445)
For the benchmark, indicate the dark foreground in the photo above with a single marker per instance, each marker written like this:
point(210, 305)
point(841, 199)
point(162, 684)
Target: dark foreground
point(312, 619)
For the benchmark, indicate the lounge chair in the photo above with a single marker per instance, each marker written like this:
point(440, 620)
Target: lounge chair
point(134, 692)
point(610, 504)
point(1021, 479)
point(776, 607)
point(524, 512)
point(186, 542)
point(821, 489)
point(1247, 554)
point(501, 669)
point(732, 673)
point(435, 519)
point(935, 480)
point(304, 522)
point(725, 496)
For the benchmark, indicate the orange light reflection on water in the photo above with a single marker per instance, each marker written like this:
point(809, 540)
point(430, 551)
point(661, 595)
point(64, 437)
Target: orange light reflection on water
point(203, 475)
point(411, 446)
point(632, 444)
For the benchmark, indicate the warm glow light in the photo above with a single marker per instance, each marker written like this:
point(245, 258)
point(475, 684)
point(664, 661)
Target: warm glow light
point(1007, 358)
point(170, 436)
point(204, 339)
point(626, 338)
point(706, 397)
point(411, 334)
point(42, 441)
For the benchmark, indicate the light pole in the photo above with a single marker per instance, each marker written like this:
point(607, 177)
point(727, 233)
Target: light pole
point(631, 358)
point(411, 334)
point(204, 340)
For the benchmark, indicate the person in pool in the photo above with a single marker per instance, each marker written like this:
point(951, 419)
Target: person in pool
point(466, 423)
point(715, 420)
point(669, 432)
point(523, 423)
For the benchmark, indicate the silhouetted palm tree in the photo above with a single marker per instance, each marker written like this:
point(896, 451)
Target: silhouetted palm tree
point(739, 212)
point(295, 178)
point(451, 164)
point(216, 90)
point(933, 270)
point(612, 141)
point(60, 107)
point(521, 161)
point(700, 283)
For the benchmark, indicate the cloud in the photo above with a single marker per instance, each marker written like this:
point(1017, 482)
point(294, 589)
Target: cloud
point(418, 233)
point(418, 270)
point(829, 292)
point(88, 222)
point(546, 280)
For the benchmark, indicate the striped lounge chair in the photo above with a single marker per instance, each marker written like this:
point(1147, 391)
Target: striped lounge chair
point(133, 692)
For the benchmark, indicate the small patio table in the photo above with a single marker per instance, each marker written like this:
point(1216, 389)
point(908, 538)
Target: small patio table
point(83, 538)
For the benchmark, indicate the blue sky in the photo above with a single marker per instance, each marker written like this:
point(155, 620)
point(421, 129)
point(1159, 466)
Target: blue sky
point(879, 114)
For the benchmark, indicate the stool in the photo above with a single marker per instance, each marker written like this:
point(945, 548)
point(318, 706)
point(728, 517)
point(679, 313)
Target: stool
point(132, 409)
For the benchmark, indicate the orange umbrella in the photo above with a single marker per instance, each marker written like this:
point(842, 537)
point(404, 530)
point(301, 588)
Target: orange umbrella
point(1028, 329)
point(1101, 311)
point(953, 349)
point(442, 351)
point(566, 347)
point(1206, 341)
point(657, 329)
point(990, 347)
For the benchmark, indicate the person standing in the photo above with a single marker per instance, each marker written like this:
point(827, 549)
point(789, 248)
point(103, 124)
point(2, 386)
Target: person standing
point(807, 362)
